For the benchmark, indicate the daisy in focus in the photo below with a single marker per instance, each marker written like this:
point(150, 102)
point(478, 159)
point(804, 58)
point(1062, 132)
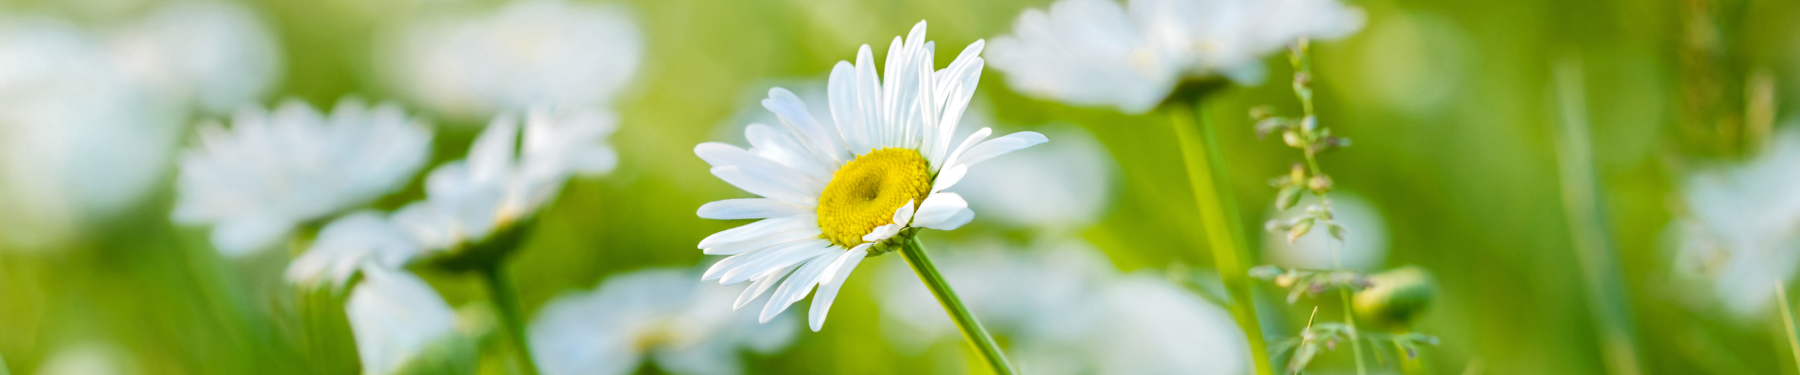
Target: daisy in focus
point(833, 193)
point(274, 171)
point(1097, 52)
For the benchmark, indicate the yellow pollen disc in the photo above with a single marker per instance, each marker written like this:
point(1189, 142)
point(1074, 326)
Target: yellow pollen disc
point(865, 192)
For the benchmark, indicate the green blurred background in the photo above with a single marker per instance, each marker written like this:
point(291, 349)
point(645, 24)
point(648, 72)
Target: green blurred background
point(1451, 104)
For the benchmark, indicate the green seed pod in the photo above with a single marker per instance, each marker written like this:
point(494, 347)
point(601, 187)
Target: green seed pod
point(1395, 299)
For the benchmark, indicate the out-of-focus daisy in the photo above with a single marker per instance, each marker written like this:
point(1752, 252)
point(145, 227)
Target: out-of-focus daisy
point(527, 53)
point(660, 315)
point(216, 54)
point(400, 324)
point(1066, 311)
point(79, 141)
point(1743, 231)
point(505, 179)
point(1154, 327)
point(1097, 52)
point(270, 172)
point(831, 193)
point(1040, 296)
point(1364, 249)
point(348, 244)
point(1060, 186)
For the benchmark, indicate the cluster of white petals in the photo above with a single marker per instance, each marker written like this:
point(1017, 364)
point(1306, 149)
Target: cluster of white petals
point(1098, 52)
point(92, 117)
point(526, 53)
point(660, 315)
point(272, 171)
point(1068, 312)
point(1742, 234)
point(914, 107)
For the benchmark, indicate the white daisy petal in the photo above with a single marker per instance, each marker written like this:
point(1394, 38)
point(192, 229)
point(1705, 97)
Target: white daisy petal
point(882, 233)
point(758, 229)
point(783, 148)
point(766, 186)
point(797, 285)
point(765, 241)
point(941, 210)
point(833, 280)
point(794, 114)
point(949, 177)
point(841, 93)
point(773, 258)
point(968, 143)
point(749, 208)
point(724, 155)
point(1000, 146)
point(757, 288)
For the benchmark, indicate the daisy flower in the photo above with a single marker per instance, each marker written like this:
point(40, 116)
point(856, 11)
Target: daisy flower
point(505, 179)
point(271, 172)
point(526, 53)
point(347, 245)
point(1097, 52)
point(400, 323)
point(1740, 235)
point(216, 54)
point(831, 193)
point(659, 315)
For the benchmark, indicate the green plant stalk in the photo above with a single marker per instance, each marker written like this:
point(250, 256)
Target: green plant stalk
point(1356, 349)
point(507, 299)
point(978, 337)
point(1593, 248)
point(1787, 321)
point(1218, 217)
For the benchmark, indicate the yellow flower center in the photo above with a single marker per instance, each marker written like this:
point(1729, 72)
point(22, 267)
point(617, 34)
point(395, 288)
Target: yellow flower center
point(865, 193)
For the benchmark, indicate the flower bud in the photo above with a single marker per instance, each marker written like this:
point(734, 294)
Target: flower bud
point(1395, 299)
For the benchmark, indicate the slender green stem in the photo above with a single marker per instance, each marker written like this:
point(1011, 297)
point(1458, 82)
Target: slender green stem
point(1218, 217)
point(914, 252)
point(507, 300)
point(1787, 321)
point(1356, 350)
point(1594, 249)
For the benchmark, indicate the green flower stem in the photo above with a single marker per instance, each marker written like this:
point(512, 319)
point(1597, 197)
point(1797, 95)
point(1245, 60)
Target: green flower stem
point(1594, 248)
point(507, 300)
point(1787, 321)
point(1356, 350)
point(914, 252)
point(1218, 213)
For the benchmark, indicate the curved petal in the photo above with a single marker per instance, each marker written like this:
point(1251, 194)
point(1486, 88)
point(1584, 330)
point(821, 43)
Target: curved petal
point(797, 285)
point(940, 211)
point(757, 229)
point(749, 208)
point(833, 280)
point(1000, 146)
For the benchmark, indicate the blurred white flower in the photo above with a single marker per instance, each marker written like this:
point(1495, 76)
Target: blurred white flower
point(1059, 186)
point(1067, 312)
point(395, 318)
point(830, 194)
point(348, 244)
point(273, 171)
point(87, 358)
point(684, 327)
point(1036, 296)
point(1154, 327)
point(216, 54)
point(1365, 248)
point(1097, 52)
point(1743, 229)
point(527, 53)
point(504, 179)
point(79, 142)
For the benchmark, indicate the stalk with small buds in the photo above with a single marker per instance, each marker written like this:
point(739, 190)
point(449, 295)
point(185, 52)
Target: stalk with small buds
point(1306, 177)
